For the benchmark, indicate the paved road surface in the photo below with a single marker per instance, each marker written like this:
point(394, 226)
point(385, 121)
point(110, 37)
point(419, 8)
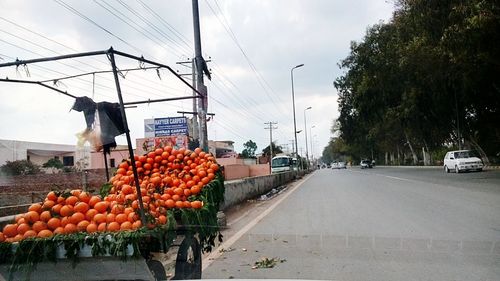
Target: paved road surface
point(375, 224)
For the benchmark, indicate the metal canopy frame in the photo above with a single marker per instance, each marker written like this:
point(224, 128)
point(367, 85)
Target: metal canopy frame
point(110, 53)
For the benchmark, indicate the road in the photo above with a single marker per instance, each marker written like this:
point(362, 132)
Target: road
point(373, 224)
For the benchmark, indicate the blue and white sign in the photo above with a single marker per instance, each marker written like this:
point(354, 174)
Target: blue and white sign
point(168, 126)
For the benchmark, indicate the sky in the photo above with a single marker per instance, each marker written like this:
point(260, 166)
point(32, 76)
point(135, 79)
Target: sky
point(252, 47)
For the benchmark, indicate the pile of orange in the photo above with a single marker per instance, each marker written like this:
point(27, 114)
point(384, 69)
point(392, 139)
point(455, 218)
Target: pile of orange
point(168, 178)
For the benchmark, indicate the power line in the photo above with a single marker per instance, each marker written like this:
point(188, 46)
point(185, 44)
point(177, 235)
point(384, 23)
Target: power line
point(259, 77)
point(149, 23)
point(82, 62)
point(179, 35)
point(74, 11)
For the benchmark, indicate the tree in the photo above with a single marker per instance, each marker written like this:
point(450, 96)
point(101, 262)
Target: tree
point(426, 79)
point(249, 150)
point(19, 167)
point(54, 164)
point(276, 150)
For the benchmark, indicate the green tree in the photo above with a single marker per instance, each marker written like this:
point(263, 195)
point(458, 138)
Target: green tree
point(53, 164)
point(19, 167)
point(249, 149)
point(420, 79)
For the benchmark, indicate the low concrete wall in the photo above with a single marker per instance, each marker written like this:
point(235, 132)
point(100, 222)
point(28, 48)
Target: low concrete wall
point(259, 170)
point(236, 171)
point(238, 191)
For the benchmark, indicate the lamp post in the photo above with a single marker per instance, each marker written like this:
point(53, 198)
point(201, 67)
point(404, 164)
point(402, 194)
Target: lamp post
point(305, 131)
point(293, 103)
point(310, 133)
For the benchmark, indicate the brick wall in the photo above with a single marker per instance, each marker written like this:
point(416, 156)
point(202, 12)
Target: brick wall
point(17, 190)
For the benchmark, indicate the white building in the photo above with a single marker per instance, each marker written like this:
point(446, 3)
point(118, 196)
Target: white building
point(39, 153)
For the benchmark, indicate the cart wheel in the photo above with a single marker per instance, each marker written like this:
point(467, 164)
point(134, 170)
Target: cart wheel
point(157, 269)
point(188, 264)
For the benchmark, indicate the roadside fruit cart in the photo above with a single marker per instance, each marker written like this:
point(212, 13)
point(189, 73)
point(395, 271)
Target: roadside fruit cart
point(81, 236)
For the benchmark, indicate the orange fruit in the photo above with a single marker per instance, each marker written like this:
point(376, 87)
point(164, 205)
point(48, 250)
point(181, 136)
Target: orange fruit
point(53, 223)
point(45, 216)
point(117, 209)
point(2, 237)
point(29, 233)
point(91, 228)
point(39, 226)
point(137, 224)
point(113, 226)
point(59, 230)
point(70, 228)
point(81, 207)
point(110, 218)
point(195, 190)
point(71, 200)
point(126, 225)
point(93, 200)
point(162, 219)
point(82, 225)
point(127, 189)
point(45, 233)
point(48, 204)
point(170, 203)
point(57, 209)
point(76, 192)
point(132, 217)
point(32, 216)
point(89, 215)
point(101, 207)
point(52, 196)
point(84, 197)
point(22, 228)
point(100, 218)
point(65, 221)
point(196, 204)
point(37, 207)
point(18, 217)
point(66, 210)
point(121, 218)
point(179, 204)
point(101, 227)
point(77, 218)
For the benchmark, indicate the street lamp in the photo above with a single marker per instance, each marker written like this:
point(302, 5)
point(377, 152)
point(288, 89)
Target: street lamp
point(305, 130)
point(310, 133)
point(293, 103)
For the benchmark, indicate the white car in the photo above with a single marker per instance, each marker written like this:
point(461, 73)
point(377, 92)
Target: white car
point(462, 160)
point(340, 165)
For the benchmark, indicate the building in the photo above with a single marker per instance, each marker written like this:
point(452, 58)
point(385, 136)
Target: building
point(114, 158)
point(222, 149)
point(39, 153)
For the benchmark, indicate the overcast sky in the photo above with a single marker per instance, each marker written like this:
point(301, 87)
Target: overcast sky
point(244, 92)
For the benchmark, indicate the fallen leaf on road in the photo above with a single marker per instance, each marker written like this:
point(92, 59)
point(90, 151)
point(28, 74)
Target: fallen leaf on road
point(267, 262)
point(226, 250)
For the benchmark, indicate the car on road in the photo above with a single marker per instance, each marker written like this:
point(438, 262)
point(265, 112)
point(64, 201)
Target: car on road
point(462, 160)
point(366, 164)
point(338, 165)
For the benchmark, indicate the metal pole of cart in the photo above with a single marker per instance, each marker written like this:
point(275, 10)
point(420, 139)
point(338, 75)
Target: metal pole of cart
point(106, 165)
point(127, 133)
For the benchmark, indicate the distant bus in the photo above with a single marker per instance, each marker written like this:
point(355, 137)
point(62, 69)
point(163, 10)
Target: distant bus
point(283, 163)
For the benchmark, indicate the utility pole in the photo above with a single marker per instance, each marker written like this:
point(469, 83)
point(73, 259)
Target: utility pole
point(196, 129)
point(270, 128)
point(199, 64)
